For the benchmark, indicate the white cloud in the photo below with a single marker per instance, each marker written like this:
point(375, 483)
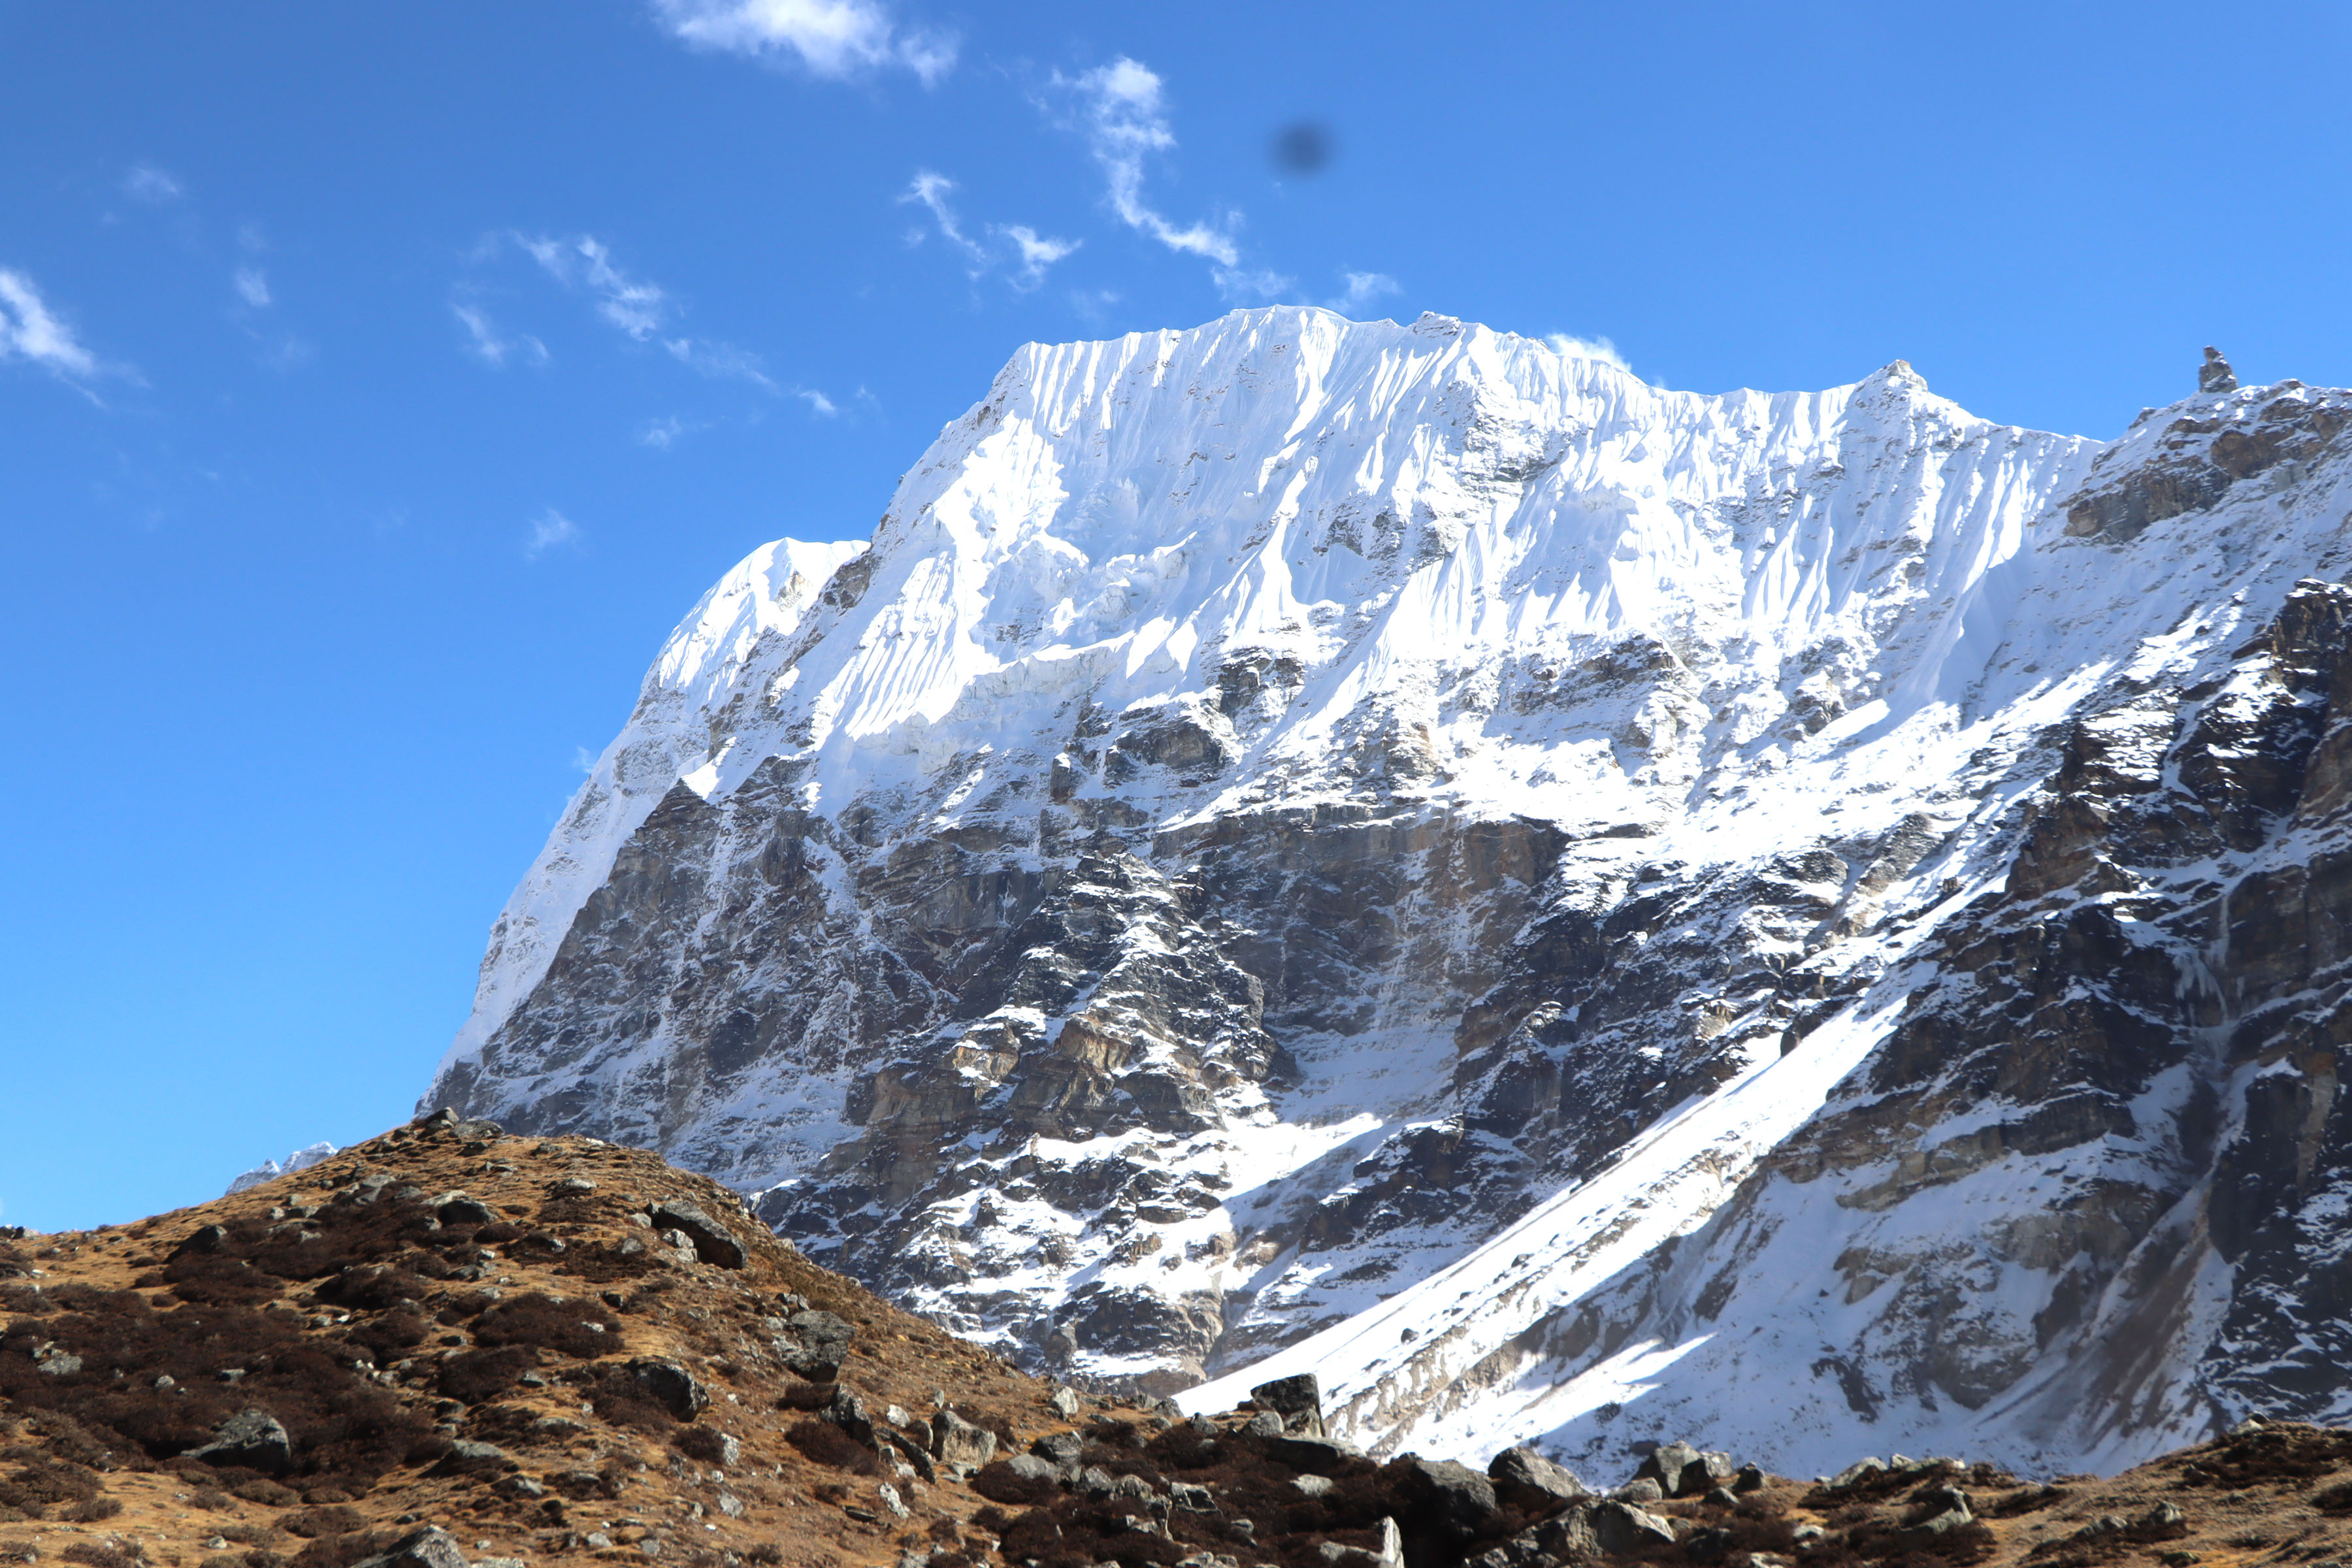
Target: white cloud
point(1250, 283)
point(28, 331)
point(253, 285)
point(1126, 123)
point(584, 758)
point(663, 433)
point(1363, 288)
point(1600, 348)
point(635, 306)
point(487, 346)
point(930, 189)
point(549, 529)
point(831, 37)
point(151, 185)
point(1037, 253)
point(721, 362)
point(817, 401)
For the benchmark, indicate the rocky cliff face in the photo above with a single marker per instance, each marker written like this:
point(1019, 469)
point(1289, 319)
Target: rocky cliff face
point(1563, 907)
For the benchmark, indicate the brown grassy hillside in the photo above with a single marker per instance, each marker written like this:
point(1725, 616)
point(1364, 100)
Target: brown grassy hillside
point(557, 1350)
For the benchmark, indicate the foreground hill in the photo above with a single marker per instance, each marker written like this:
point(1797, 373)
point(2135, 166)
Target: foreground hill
point(450, 1345)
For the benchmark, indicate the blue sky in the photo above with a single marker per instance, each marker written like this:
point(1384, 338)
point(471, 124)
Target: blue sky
point(378, 384)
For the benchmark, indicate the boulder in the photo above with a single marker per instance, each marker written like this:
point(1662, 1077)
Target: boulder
point(671, 1386)
point(431, 1547)
point(252, 1438)
point(1030, 1468)
point(713, 1242)
point(1681, 1470)
point(1446, 1499)
point(1859, 1471)
point(1063, 1450)
point(848, 1411)
point(959, 1444)
point(470, 1459)
point(1318, 1456)
point(456, 1208)
point(1621, 1529)
point(813, 1345)
point(202, 1240)
point(1298, 1400)
point(1532, 1483)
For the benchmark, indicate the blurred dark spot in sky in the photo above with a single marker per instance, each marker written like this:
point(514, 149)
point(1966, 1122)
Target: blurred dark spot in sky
point(1303, 147)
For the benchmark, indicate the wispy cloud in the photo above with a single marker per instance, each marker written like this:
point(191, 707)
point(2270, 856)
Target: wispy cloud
point(252, 285)
point(834, 38)
point(1600, 348)
point(1030, 252)
point(549, 531)
point(584, 758)
point(1037, 253)
point(30, 330)
point(663, 433)
point(817, 401)
point(485, 343)
point(721, 362)
point(1363, 288)
point(146, 183)
point(1252, 283)
point(931, 190)
point(1126, 122)
point(638, 308)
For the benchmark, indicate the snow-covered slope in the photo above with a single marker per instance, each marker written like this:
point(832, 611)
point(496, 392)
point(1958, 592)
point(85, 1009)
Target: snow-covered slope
point(1396, 836)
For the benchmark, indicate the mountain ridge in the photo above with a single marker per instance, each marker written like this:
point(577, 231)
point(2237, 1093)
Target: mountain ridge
point(1280, 809)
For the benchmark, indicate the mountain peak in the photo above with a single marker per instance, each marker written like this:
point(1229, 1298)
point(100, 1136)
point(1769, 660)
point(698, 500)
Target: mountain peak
point(1397, 846)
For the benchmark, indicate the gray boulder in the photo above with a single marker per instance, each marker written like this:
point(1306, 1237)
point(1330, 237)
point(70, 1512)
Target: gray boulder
point(470, 1459)
point(1681, 1470)
point(1066, 1451)
point(671, 1386)
point(456, 1208)
point(431, 1547)
point(252, 1438)
point(1320, 1455)
point(1448, 1499)
point(713, 1242)
point(850, 1413)
point(1298, 1400)
point(1621, 1529)
point(959, 1444)
point(815, 1344)
point(1527, 1480)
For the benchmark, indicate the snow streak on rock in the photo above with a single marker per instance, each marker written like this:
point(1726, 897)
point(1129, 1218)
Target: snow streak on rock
point(1576, 908)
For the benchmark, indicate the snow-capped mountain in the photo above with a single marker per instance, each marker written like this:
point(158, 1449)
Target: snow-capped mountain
point(1577, 912)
